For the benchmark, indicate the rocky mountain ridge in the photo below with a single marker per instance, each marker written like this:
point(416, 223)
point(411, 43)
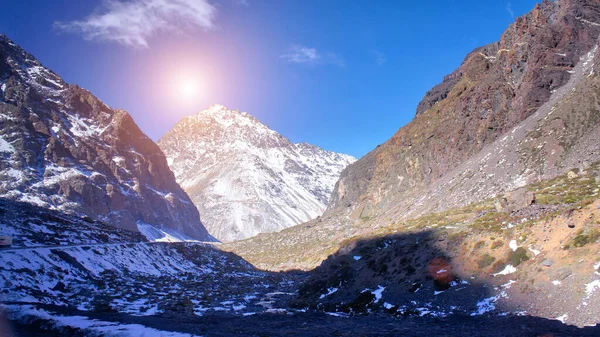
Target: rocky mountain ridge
point(246, 178)
point(497, 183)
point(495, 89)
point(62, 148)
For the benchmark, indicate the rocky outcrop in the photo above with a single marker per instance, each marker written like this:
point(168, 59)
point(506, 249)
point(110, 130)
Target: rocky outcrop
point(439, 92)
point(62, 148)
point(245, 178)
point(501, 85)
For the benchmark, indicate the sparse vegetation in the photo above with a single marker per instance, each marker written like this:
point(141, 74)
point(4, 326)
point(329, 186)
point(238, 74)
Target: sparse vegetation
point(486, 260)
point(582, 239)
point(309, 250)
point(491, 221)
point(498, 266)
point(579, 189)
point(518, 256)
point(497, 244)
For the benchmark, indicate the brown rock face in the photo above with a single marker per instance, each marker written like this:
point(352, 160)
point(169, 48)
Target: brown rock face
point(61, 147)
point(496, 87)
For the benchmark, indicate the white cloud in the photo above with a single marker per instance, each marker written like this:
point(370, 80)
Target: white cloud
point(132, 23)
point(379, 57)
point(510, 10)
point(307, 55)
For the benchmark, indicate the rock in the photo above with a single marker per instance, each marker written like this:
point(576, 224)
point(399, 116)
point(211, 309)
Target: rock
point(562, 273)
point(95, 160)
point(547, 263)
point(571, 224)
point(501, 205)
point(569, 213)
point(572, 175)
point(519, 199)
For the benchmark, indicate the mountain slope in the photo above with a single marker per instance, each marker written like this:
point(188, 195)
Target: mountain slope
point(62, 148)
point(501, 183)
point(496, 88)
point(245, 178)
point(402, 179)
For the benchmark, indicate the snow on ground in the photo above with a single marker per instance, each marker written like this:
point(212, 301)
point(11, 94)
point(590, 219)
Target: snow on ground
point(102, 328)
point(5, 146)
point(534, 251)
point(329, 292)
point(562, 318)
point(154, 234)
point(591, 287)
point(140, 279)
point(489, 304)
point(509, 269)
point(378, 293)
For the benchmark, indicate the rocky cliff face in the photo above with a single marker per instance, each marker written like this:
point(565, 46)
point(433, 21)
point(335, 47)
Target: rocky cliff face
point(62, 148)
point(496, 88)
point(245, 178)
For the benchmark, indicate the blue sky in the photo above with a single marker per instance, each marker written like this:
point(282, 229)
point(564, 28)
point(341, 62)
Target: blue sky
point(344, 75)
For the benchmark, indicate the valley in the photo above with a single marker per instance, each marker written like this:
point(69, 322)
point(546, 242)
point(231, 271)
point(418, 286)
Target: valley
point(479, 217)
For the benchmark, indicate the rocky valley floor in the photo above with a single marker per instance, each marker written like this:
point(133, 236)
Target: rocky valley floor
point(298, 324)
point(463, 272)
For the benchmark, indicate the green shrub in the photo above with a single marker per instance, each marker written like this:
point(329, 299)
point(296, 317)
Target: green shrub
point(497, 244)
point(518, 256)
point(498, 266)
point(581, 239)
point(486, 260)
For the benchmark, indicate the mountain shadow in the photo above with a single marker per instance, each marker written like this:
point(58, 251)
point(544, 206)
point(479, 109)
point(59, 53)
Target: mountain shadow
point(402, 284)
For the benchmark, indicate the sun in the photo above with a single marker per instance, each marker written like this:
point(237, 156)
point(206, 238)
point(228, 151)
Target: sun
point(189, 88)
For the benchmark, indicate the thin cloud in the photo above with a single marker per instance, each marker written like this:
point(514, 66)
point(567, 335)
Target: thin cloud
point(244, 3)
point(510, 10)
point(311, 56)
point(379, 57)
point(132, 23)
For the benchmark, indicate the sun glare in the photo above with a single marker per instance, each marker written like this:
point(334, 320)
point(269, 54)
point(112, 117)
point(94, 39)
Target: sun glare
point(189, 88)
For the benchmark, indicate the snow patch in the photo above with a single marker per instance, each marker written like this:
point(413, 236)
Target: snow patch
point(513, 245)
point(591, 287)
point(509, 269)
point(378, 293)
point(154, 234)
point(329, 292)
point(5, 146)
point(562, 318)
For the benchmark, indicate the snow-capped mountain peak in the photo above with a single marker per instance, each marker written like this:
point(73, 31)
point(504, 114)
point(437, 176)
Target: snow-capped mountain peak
point(246, 178)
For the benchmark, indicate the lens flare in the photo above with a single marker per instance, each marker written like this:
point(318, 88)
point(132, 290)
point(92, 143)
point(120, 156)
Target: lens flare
point(189, 88)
